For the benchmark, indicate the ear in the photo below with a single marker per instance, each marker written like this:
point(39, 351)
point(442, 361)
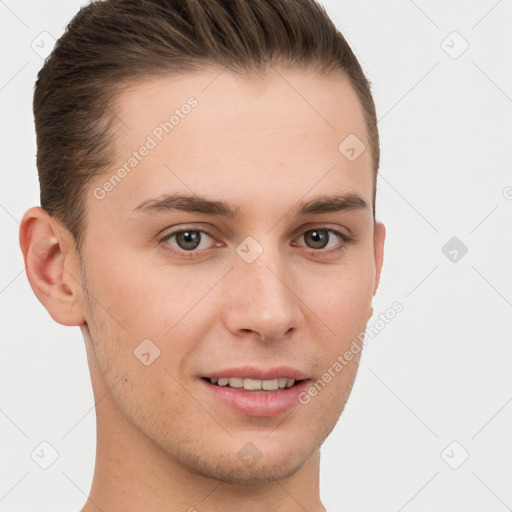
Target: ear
point(379, 236)
point(52, 266)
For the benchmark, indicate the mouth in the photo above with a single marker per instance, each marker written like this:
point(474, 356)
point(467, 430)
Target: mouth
point(250, 392)
point(254, 385)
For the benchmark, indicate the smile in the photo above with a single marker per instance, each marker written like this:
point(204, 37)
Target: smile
point(254, 384)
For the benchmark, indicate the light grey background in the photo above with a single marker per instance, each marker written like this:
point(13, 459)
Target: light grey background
point(439, 372)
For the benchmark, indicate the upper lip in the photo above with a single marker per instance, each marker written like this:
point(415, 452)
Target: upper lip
point(252, 372)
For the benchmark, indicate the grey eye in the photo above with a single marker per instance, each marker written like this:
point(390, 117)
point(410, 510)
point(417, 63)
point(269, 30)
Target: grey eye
point(188, 240)
point(317, 238)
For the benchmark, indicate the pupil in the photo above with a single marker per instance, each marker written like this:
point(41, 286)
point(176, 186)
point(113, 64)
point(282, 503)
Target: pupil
point(318, 238)
point(188, 240)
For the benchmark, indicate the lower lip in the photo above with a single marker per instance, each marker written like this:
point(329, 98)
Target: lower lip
point(263, 404)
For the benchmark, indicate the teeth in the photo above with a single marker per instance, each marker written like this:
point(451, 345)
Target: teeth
point(236, 382)
point(270, 385)
point(251, 384)
point(254, 384)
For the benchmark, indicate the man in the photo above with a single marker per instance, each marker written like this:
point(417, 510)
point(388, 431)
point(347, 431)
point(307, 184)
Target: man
point(208, 173)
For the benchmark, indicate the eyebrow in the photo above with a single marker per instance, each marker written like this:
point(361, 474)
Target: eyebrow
point(188, 203)
point(327, 204)
point(198, 204)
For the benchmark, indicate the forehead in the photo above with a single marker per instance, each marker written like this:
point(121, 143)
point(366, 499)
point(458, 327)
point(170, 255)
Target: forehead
point(240, 136)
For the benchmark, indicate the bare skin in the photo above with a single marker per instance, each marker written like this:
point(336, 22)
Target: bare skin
point(165, 441)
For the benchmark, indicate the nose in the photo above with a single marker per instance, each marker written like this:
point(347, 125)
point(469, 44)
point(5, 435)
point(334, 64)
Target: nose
point(261, 299)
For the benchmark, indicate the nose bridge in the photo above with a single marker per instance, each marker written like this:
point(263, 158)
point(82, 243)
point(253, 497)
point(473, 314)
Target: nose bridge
point(261, 299)
point(265, 285)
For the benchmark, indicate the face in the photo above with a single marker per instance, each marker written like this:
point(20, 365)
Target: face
point(240, 244)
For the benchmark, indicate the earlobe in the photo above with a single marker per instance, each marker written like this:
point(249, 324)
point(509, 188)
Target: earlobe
point(51, 265)
point(379, 237)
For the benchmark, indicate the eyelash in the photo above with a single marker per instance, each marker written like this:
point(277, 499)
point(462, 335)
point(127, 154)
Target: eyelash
point(345, 239)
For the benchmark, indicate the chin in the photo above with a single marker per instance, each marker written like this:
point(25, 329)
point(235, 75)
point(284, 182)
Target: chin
point(229, 468)
point(260, 473)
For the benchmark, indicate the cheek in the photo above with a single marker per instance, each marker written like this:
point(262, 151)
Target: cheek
point(341, 296)
point(143, 298)
point(137, 308)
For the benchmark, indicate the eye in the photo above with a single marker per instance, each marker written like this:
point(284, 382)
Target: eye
point(188, 239)
point(323, 238)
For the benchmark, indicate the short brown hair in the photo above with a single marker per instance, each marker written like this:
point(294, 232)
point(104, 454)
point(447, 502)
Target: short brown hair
point(111, 43)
